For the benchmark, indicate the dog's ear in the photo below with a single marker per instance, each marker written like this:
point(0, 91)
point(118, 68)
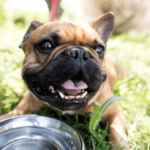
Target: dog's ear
point(104, 25)
point(33, 25)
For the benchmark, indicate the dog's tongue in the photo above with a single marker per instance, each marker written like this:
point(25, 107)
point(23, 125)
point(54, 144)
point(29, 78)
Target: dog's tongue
point(72, 89)
point(70, 85)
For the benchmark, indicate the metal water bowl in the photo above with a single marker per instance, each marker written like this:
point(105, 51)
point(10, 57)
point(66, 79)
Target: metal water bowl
point(30, 132)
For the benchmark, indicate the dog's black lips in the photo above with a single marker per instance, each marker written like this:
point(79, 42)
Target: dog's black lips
point(43, 93)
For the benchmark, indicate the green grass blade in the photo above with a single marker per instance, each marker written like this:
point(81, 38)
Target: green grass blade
point(99, 111)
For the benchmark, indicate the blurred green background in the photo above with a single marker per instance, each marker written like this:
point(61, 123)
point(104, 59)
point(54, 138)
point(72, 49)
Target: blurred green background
point(131, 47)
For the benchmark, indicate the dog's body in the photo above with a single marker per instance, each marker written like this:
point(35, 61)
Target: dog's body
point(66, 67)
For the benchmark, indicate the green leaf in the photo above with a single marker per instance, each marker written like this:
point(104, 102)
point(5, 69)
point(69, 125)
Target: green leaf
point(96, 103)
point(99, 111)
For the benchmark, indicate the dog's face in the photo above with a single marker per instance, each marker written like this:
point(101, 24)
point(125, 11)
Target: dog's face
point(63, 65)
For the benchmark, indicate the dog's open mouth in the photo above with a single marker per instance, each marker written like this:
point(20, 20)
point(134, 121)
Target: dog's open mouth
point(71, 91)
point(68, 92)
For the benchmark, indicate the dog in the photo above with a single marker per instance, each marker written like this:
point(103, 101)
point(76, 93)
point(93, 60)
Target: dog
point(67, 67)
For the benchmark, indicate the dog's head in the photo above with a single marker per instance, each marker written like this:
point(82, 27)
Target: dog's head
point(63, 65)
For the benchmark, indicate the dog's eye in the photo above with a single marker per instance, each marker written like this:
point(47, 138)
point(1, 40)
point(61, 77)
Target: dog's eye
point(100, 50)
point(46, 46)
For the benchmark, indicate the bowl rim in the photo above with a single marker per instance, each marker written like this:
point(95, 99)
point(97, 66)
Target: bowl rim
point(4, 122)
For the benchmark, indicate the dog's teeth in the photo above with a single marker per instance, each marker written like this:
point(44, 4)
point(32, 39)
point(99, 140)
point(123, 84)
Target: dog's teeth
point(78, 97)
point(84, 94)
point(61, 95)
point(51, 88)
point(72, 97)
point(66, 97)
point(53, 91)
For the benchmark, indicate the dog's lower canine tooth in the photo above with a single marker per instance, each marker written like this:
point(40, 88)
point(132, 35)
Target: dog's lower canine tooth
point(84, 94)
point(61, 95)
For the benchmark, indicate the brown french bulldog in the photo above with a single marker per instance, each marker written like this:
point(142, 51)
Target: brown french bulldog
point(67, 67)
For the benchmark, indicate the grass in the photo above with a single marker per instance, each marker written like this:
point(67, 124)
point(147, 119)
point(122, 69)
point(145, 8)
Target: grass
point(131, 50)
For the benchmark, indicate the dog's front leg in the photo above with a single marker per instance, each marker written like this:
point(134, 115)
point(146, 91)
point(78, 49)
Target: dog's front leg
point(29, 104)
point(116, 126)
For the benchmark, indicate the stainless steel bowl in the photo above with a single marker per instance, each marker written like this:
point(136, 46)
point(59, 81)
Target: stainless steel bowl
point(30, 132)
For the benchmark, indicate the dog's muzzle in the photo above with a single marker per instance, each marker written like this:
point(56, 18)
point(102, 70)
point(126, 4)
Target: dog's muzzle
point(67, 82)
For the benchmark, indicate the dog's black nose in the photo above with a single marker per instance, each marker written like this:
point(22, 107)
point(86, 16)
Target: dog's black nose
point(79, 53)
